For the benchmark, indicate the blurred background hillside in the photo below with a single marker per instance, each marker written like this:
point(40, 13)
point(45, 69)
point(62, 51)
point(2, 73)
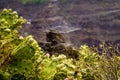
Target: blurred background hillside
point(80, 21)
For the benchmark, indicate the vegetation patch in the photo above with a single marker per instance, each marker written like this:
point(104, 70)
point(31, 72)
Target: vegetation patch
point(21, 58)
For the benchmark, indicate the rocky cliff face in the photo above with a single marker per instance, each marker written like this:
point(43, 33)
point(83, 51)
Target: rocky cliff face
point(80, 21)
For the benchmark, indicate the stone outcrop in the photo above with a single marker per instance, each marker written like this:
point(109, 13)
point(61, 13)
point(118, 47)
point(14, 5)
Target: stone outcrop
point(56, 45)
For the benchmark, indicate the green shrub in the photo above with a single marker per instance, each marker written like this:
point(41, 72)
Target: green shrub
point(92, 66)
point(22, 58)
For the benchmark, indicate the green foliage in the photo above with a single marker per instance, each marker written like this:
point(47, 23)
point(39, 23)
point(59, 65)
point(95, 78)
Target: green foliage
point(9, 38)
point(63, 1)
point(22, 59)
point(92, 66)
point(39, 1)
point(34, 1)
point(56, 68)
point(16, 52)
